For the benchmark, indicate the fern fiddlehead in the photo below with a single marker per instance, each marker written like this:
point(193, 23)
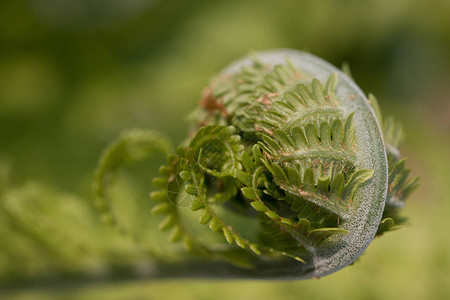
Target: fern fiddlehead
point(288, 161)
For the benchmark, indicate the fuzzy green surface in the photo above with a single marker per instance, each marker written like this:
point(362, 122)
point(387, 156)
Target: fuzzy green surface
point(341, 250)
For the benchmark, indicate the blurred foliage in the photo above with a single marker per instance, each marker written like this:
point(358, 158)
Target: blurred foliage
point(73, 74)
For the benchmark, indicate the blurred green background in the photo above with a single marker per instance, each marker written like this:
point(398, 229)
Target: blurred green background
point(74, 74)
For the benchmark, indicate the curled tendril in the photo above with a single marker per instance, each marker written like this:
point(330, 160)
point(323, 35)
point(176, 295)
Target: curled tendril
point(287, 160)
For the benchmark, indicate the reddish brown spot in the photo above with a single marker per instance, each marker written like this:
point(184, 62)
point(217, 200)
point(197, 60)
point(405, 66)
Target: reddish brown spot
point(266, 99)
point(211, 104)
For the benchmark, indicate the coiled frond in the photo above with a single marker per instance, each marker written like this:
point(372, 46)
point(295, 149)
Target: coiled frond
point(286, 166)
